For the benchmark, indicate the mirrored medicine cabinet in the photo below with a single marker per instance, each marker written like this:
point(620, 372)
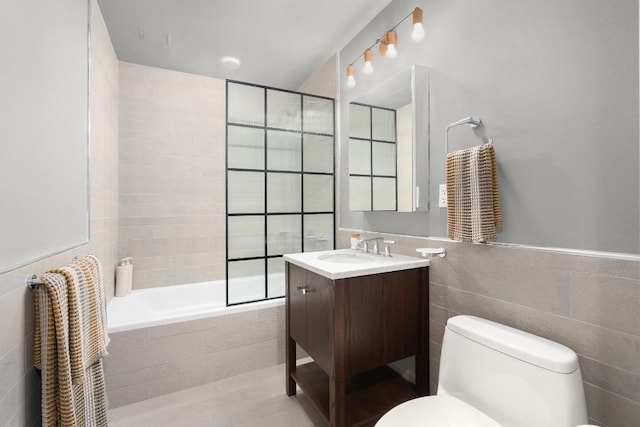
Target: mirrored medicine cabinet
point(385, 126)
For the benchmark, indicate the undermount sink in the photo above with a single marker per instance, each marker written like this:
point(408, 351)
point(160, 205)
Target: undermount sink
point(347, 257)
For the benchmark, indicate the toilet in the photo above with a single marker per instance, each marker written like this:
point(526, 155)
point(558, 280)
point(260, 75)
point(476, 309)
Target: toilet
point(492, 375)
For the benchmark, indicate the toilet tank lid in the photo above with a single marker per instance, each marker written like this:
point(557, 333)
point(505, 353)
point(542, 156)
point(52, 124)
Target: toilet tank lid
point(522, 345)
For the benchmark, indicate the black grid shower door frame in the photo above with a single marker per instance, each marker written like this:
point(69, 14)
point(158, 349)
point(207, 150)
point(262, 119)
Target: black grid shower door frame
point(266, 128)
point(371, 140)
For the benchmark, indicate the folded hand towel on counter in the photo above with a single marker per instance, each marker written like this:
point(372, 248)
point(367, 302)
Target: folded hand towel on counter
point(472, 194)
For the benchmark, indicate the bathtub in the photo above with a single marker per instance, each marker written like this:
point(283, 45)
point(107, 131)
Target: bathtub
point(176, 337)
point(170, 304)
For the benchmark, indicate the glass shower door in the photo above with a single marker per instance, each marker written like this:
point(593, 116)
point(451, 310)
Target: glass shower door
point(280, 185)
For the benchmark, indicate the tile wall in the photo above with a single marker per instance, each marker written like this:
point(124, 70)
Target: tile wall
point(323, 82)
point(150, 362)
point(171, 176)
point(19, 383)
point(590, 303)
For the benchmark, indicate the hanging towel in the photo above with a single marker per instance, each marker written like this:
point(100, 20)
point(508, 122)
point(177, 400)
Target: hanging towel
point(473, 199)
point(69, 342)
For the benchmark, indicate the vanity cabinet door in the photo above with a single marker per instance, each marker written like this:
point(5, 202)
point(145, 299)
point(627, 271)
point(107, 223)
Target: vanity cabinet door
point(311, 314)
point(320, 320)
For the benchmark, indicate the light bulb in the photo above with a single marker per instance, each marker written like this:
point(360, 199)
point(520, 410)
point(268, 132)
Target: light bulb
point(391, 51)
point(351, 81)
point(368, 67)
point(418, 32)
point(390, 41)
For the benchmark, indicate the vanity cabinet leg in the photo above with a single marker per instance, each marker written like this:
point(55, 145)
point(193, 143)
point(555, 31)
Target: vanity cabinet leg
point(290, 365)
point(422, 373)
point(337, 412)
point(337, 378)
point(422, 358)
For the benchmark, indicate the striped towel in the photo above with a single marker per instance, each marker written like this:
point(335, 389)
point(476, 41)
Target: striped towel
point(472, 195)
point(70, 340)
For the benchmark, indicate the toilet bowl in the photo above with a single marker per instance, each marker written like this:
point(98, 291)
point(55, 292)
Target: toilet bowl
point(492, 375)
point(436, 411)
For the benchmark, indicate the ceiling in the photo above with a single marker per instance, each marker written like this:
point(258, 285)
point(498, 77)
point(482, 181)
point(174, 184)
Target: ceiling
point(280, 42)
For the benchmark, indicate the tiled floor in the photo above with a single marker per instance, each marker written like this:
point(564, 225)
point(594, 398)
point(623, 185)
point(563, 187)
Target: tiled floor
point(254, 399)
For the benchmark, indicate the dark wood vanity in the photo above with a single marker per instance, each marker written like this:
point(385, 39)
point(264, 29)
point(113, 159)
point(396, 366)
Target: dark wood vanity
point(352, 328)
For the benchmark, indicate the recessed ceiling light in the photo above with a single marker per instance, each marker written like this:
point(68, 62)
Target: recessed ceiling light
point(230, 62)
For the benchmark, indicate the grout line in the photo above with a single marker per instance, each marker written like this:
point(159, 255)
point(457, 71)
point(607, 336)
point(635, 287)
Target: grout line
point(633, 402)
point(626, 371)
point(585, 323)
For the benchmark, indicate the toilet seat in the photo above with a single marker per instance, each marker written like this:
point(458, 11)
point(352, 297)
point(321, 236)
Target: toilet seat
point(441, 411)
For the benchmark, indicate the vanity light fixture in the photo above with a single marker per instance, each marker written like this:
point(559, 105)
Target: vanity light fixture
point(387, 45)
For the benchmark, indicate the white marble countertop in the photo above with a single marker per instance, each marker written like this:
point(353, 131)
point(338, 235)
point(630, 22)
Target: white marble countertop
point(336, 264)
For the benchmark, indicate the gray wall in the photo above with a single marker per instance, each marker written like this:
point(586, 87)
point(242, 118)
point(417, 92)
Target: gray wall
point(19, 384)
point(171, 175)
point(555, 84)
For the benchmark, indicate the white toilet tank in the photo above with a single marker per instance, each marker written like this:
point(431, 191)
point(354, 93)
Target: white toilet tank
point(516, 378)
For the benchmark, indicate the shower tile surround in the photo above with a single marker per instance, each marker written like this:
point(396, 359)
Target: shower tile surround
point(19, 383)
point(590, 303)
point(150, 362)
point(171, 176)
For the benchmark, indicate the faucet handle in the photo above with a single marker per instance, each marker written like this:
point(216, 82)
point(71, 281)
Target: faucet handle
point(387, 247)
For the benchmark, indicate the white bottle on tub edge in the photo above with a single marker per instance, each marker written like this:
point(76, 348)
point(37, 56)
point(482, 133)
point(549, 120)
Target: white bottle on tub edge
point(124, 277)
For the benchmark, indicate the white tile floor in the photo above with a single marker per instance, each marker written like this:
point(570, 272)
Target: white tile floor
point(257, 398)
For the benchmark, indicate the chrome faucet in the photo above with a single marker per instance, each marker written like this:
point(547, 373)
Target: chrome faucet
point(364, 244)
point(387, 247)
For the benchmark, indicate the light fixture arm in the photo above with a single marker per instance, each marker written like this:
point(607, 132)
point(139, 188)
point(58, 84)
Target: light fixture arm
point(362, 54)
point(403, 19)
